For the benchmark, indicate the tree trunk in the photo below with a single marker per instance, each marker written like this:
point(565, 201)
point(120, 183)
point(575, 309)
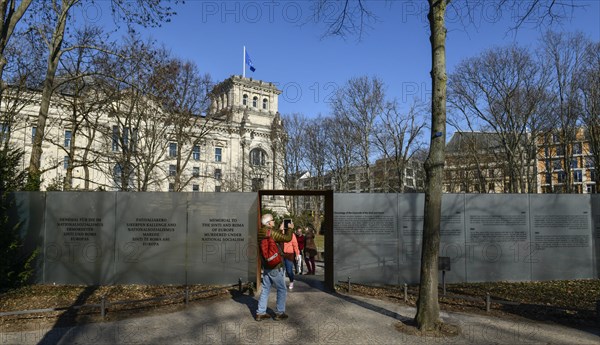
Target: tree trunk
point(53, 60)
point(428, 308)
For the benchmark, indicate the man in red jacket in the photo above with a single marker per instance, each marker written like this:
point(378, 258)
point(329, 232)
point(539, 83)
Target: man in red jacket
point(272, 276)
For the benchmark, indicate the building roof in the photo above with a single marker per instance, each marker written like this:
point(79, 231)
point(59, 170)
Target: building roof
point(462, 141)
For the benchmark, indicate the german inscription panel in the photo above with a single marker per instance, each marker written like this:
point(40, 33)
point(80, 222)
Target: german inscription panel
point(79, 245)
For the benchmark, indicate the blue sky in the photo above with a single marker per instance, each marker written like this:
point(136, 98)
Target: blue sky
point(288, 48)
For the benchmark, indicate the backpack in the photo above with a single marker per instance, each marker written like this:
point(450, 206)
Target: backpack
point(269, 251)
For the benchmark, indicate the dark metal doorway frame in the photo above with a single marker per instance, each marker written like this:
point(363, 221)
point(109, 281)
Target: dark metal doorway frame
point(327, 225)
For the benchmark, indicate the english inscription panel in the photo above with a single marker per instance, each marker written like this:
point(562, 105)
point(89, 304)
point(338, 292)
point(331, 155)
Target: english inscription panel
point(222, 237)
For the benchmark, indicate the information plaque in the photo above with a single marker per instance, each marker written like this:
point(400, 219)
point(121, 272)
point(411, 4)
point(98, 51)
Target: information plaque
point(497, 244)
point(222, 237)
point(366, 246)
point(79, 238)
point(151, 235)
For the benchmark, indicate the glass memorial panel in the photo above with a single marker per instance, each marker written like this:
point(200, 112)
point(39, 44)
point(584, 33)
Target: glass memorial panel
point(498, 242)
point(596, 232)
point(410, 220)
point(26, 214)
point(151, 235)
point(561, 234)
point(452, 236)
point(366, 238)
point(222, 238)
point(79, 238)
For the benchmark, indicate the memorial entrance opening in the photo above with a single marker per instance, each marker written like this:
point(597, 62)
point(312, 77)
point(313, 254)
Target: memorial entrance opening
point(326, 227)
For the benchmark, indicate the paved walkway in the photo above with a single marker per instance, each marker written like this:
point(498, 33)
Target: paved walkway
point(316, 317)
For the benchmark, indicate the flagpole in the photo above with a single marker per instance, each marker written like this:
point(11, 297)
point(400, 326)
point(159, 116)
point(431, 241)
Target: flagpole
point(244, 63)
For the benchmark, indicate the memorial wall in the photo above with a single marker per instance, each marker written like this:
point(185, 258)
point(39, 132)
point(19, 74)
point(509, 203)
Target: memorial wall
point(210, 238)
point(512, 237)
point(140, 238)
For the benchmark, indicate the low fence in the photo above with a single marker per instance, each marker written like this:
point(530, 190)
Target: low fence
point(104, 305)
point(485, 301)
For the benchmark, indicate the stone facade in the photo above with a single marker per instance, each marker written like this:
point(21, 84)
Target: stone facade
point(236, 146)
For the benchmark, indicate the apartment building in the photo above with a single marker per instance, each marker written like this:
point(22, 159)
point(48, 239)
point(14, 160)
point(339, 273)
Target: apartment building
point(565, 165)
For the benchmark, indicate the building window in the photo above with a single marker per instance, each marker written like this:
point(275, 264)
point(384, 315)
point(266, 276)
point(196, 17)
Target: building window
point(218, 154)
point(560, 150)
point(556, 164)
point(125, 138)
point(555, 138)
point(4, 131)
point(592, 175)
point(66, 162)
point(115, 138)
point(589, 162)
point(562, 177)
point(196, 171)
point(257, 184)
point(196, 153)
point(68, 135)
point(577, 176)
point(195, 188)
point(265, 103)
point(172, 169)
point(218, 189)
point(590, 188)
point(119, 176)
point(255, 102)
point(548, 178)
point(258, 157)
point(171, 187)
point(33, 131)
point(218, 174)
point(245, 100)
point(574, 163)
point(577, 148)
point(172, 149)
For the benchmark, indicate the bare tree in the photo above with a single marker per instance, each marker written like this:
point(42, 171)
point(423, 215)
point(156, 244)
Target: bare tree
point(55, 17)
point(361, 101)
point(352, 15)
point(565, 56)
point(503, 90)
point(21, 80)
point(589, 87)
point(133, 146)
point(11, 16)
point(397, 136)
point(341, 150)
point(183, 93)
point(77, 92)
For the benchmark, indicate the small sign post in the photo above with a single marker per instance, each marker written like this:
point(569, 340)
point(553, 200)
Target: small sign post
point(444, 265)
